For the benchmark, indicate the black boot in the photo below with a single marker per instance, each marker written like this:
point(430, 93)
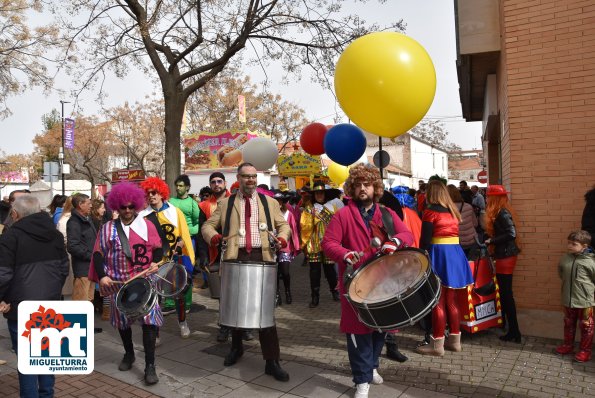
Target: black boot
point(336, 295)
point(288, 299)
point(151, 375)
point(274, 369)
point(127, 361)
point(223, 334)
point(233, 356)
point(392, 352)
point(315, 297)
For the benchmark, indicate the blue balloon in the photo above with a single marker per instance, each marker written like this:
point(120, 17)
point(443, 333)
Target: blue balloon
point(345, 144)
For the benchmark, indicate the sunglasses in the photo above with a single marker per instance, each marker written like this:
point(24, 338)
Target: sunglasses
point(129, 207)
point(152, 193)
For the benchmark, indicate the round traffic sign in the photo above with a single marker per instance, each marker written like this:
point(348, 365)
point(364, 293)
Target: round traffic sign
point(381, 159)
point(482, 176)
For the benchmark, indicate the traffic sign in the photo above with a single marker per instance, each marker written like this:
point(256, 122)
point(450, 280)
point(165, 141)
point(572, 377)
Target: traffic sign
point(381, 159)
point(482, 176)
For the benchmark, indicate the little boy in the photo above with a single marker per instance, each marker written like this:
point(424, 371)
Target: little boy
point(577, 271)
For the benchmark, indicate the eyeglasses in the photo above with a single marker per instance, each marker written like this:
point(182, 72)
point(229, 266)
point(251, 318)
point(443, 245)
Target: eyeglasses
point(218, 181)
point(248, 176)
point(151, 193)
point(129, 207)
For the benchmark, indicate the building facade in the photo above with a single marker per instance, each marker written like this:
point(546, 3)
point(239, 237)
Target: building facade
point(526, 69)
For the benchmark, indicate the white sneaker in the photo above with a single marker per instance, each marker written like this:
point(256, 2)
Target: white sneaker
point(157, 341)
point(376, 378)
point(362, 390)
point(184, 330)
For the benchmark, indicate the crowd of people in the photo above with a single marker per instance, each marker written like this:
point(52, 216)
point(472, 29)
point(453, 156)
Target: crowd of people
point(86, 249)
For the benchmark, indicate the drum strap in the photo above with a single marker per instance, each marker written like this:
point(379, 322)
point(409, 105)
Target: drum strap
point(265, 205)
point(123, 239)
point(387, 220)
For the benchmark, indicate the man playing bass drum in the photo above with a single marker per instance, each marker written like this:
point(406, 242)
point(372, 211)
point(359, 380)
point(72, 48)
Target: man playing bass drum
point(348, 242)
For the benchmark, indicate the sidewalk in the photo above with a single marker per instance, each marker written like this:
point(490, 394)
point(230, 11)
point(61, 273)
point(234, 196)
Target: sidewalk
point(314, 353)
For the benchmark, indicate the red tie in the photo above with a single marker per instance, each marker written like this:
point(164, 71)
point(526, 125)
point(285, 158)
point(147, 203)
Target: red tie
point(247, 215)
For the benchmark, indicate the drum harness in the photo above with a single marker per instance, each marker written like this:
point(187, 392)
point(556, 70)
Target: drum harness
point(265, 205)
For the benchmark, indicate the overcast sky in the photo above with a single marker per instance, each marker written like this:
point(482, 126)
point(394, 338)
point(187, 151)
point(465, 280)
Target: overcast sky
point(430, 22)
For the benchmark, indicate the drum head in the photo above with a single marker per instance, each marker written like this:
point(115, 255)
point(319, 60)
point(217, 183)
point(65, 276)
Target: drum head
point(388, 276)
point(134, 295)
point(170, 279)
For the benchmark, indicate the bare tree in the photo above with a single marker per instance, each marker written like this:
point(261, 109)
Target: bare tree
point(189, 42)
point(434, 132)
point(24, 51)
point(138, 128)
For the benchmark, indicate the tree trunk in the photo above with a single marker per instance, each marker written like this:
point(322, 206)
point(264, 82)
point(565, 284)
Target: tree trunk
point(174, 113)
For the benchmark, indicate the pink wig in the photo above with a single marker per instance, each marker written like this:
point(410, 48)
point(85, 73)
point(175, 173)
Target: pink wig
point(124, 193)
point(156, 184)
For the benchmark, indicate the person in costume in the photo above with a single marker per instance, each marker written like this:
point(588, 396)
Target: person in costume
point(440, 237)
point(124, 248)
point(174, 233)
point(189, 207)
point(347, 241)
point(319, 206)
point(247, 241)
point(503, 242)
point(287, 254)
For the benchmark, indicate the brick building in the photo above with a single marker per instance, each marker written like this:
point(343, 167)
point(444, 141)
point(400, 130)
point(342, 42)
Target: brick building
point(527, 70)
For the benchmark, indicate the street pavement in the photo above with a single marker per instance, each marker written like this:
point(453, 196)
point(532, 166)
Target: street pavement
point(314, 353)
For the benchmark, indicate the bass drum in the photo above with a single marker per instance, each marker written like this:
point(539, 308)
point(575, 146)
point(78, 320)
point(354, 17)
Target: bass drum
point(136, 298)
point(248, 292)
point(395, 290)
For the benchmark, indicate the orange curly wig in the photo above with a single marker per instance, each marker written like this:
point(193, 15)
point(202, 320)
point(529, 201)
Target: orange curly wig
point(364, 172)
point(156, 184)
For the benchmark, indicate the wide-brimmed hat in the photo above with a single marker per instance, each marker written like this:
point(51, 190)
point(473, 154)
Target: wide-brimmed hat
point(496, 190)
point(319, 186)
point(282, 195)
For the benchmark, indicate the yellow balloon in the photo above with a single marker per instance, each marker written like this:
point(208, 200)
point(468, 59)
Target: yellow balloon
point(385, 82)
point(337, 173)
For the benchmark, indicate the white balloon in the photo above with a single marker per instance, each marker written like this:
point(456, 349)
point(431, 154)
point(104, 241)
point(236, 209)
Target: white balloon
point(261, 152)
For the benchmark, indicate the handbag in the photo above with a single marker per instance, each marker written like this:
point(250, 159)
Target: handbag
point(490, 287)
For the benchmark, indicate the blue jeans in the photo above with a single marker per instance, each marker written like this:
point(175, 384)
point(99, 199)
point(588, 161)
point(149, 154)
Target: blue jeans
point(364, 355)
point(31, 386)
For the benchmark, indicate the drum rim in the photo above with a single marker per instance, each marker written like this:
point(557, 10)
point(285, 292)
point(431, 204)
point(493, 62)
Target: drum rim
point(271, 263)
point(428, 272)
point(151, 297)
point(173, 265)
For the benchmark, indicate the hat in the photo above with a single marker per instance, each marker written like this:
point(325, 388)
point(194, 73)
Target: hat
point(496, 190)
point(282, 195)
point(319, 186)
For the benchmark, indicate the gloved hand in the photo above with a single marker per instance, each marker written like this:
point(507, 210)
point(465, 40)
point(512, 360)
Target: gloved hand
point(282, 242)
point(388, 247)
point(351, 258)
point(216, 240)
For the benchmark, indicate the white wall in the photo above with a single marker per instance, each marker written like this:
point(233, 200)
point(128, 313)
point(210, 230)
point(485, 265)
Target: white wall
point(427, 161)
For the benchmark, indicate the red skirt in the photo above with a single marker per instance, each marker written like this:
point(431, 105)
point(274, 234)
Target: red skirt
point(505, 265)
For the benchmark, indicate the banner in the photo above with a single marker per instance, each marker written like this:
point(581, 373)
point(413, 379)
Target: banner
point(16, 177)
point(242, 108)
point(69, 133)
point(298, 164)
point(220, 150)
point(128, 175)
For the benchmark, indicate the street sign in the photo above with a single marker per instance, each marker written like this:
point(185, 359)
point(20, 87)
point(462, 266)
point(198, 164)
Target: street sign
point(482, 176)
point(381, 159)
point(51, 171)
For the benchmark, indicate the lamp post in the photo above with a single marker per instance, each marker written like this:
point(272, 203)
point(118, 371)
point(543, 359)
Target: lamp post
point(61, 154)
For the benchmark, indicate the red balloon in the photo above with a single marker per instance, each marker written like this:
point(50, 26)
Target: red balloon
point(312, 138)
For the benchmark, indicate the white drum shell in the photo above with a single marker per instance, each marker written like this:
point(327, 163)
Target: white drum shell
point(248, 292)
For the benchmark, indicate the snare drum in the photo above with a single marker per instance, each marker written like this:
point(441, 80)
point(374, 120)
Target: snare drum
point(136, 298)
point(170, 279)
point(395, 290)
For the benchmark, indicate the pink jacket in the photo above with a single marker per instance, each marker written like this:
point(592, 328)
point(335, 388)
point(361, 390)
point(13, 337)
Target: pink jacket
point(293, 245)
point(348, 232)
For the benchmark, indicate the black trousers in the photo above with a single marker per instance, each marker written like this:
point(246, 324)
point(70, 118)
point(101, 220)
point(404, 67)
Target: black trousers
point(316, 275)
point(149, 338)
point(508, 303)
point(269, 340)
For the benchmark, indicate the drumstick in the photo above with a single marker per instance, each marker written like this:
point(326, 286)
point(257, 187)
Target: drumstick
point(272, 235)
point(375, 243)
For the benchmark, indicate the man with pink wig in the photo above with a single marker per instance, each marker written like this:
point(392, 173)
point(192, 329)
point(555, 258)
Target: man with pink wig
point(124, 248)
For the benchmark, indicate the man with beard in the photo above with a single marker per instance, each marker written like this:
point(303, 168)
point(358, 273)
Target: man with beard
point(347, 241)
point(124, 248)
point(175, 237)
point(249, 242)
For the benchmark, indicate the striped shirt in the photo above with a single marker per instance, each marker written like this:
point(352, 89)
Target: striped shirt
point(255, 233)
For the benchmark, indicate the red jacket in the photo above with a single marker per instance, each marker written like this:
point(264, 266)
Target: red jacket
point(348, 232)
